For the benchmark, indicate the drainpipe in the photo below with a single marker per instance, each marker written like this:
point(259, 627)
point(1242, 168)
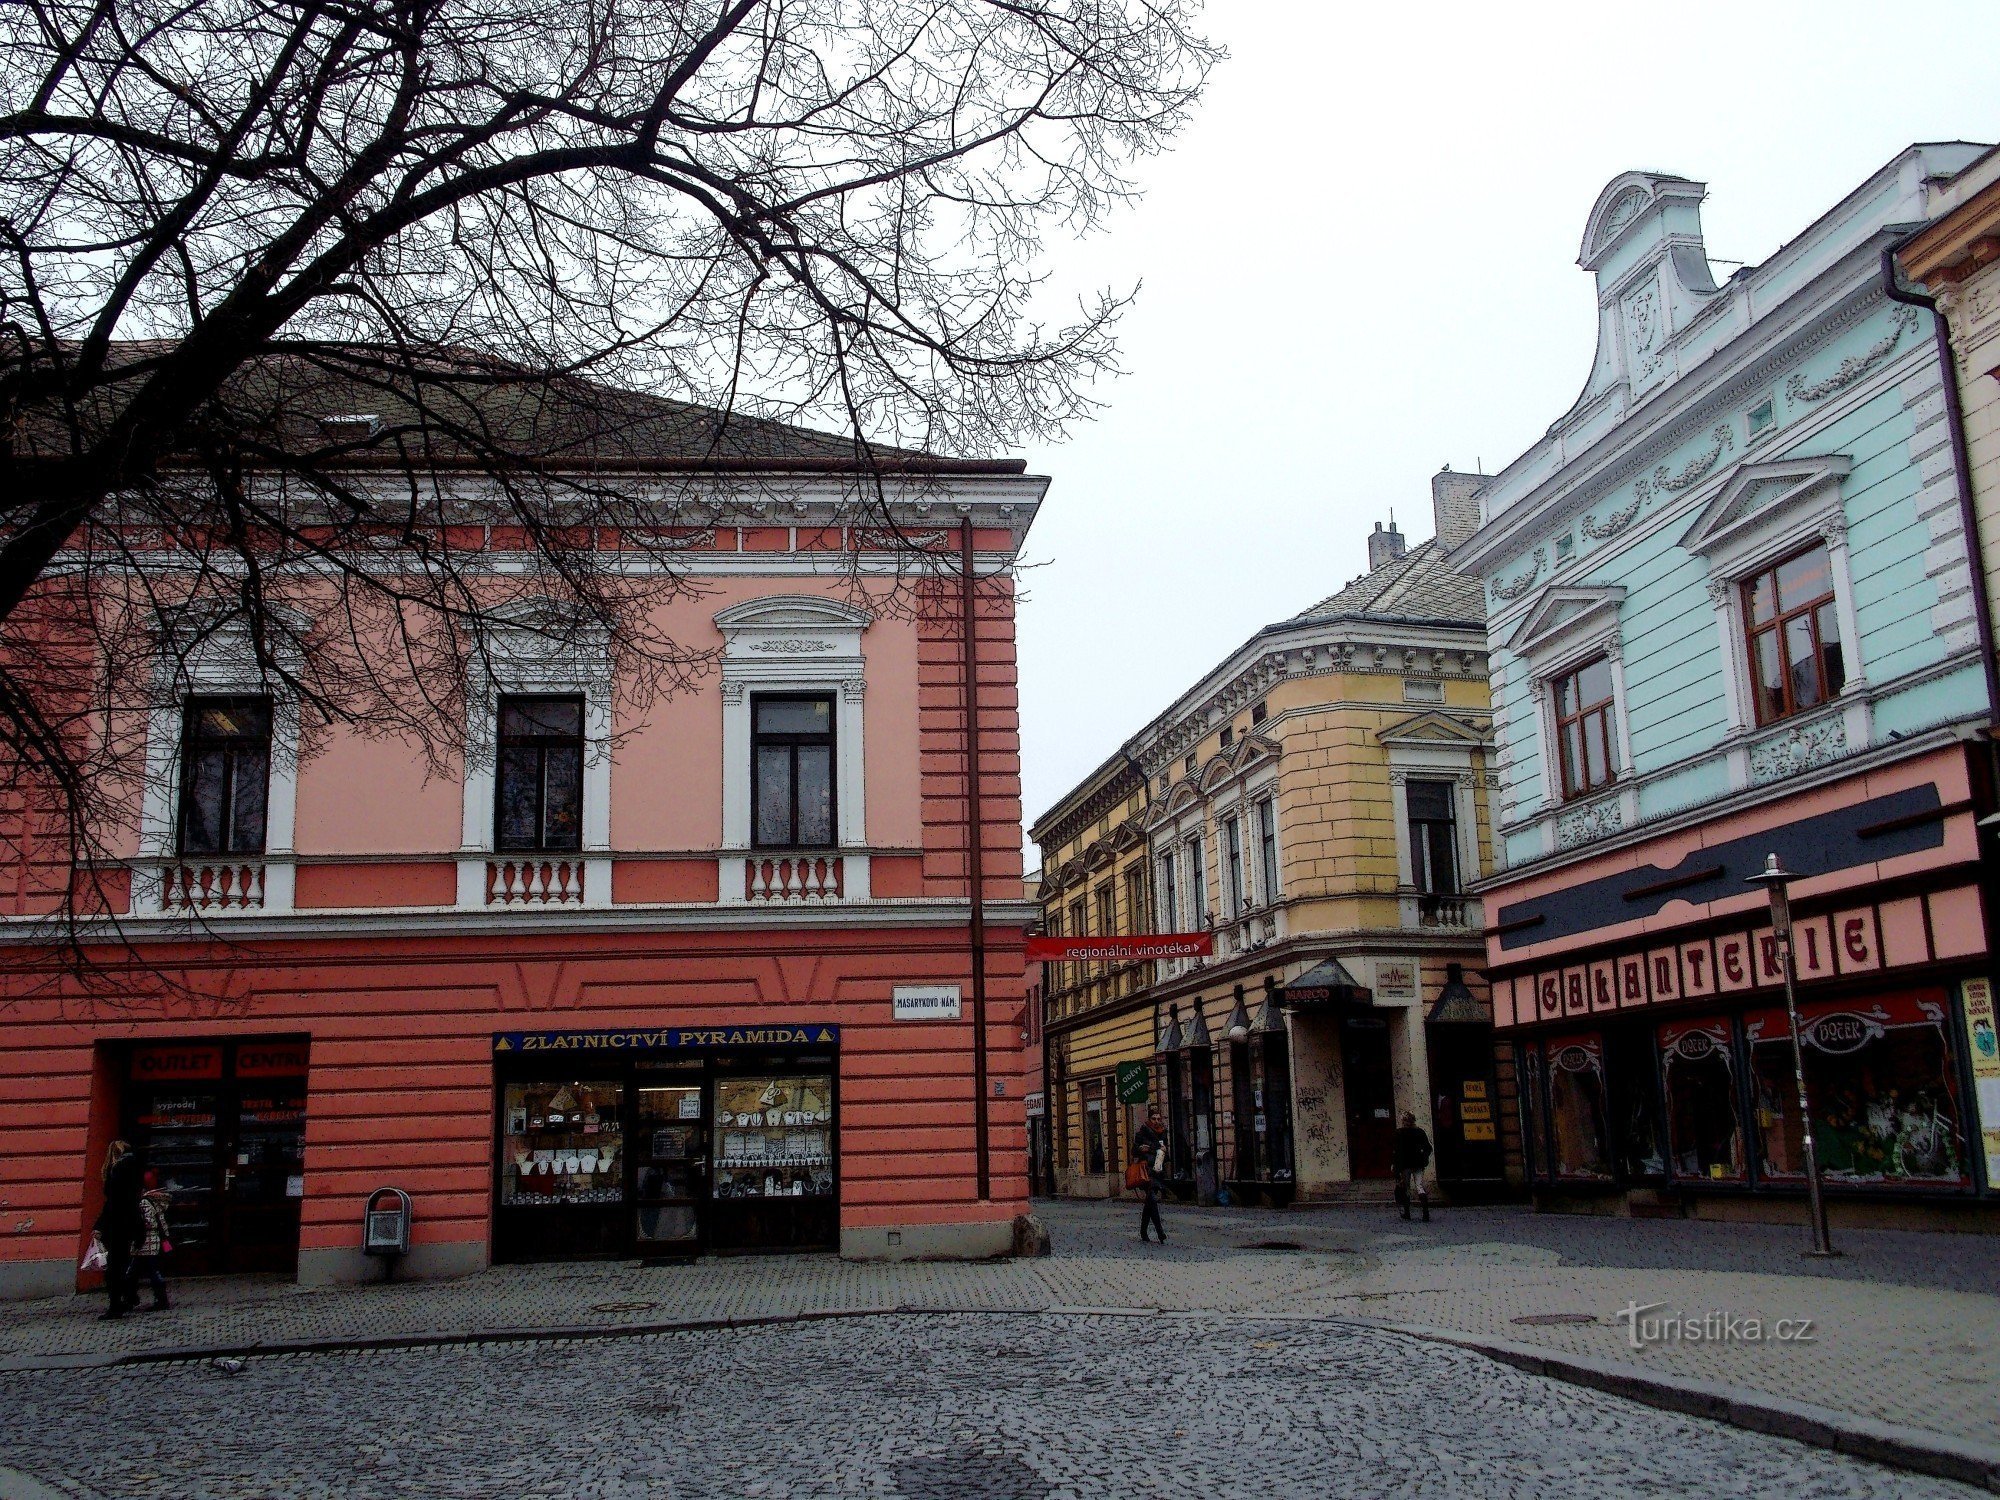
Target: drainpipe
point(1961, 466)
point(975, 857)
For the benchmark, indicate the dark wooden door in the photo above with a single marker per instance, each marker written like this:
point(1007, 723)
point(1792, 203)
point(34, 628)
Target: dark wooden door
point(1371, 1097)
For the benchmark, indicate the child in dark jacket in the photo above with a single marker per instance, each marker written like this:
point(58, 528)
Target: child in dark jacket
point(153, 1244)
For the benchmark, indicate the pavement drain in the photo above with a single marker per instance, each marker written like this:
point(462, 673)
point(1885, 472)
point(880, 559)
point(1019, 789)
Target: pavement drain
point(1554, 1320)
point(1274, 1245)
point(623, 1307)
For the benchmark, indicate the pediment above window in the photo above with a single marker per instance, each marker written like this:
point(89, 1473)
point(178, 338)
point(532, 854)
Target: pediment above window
point(1768, 502)
point(1178, 801)
point(1435, 731)
point(1567, 616)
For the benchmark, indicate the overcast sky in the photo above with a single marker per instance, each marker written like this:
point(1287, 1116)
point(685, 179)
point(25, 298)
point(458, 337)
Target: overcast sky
point(1359, 264)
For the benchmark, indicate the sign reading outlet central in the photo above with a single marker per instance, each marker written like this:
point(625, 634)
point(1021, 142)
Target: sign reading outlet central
point(926, 1002)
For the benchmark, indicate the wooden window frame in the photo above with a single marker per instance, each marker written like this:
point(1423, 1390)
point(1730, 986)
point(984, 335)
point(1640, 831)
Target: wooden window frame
point(1780, 618)
point(541, 744)
point(761, 739)
point(193, 743)
point(1604, 710)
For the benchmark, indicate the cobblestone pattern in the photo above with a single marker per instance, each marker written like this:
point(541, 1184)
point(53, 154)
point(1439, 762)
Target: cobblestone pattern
point(1055, 1407)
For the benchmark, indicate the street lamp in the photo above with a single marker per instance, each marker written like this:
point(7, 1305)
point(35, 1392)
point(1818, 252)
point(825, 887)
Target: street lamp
point(1774, 877)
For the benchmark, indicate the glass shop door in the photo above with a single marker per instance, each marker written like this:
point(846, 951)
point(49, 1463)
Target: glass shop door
point(670, 1157)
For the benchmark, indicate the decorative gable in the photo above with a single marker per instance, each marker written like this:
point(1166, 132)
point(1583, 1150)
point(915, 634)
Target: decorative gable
point(1564, 614)
point(1435, 731)
point(1762, 500)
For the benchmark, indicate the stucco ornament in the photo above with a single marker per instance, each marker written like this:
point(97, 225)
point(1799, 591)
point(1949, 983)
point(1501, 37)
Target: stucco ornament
point(1614, 521)
point(1584, 824)
point(1798, 749)
point(1515, 588)
point(1855, 366)
point(792, 646)
point(1696, 469)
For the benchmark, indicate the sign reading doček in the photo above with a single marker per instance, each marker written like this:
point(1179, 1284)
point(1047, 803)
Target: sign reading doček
point(926, 1002)
point(1134, 1080)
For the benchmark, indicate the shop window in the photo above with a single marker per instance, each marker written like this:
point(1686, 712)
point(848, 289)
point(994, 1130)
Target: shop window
point(1180, 1129)
point(1704, 1128)
point(1882, 1078)
point(1274, 1101)
point(1792, 629)
point(1244, 1112)
point(1577, 1112)
point(1639, 1147)
point(1586, 731)
point(791, 773)
point(1093, 1128)
point(774, 1136)
point(671, 1148)
point(1267, 846)
point(1433, 837)
point(225, 775)
point(562, 1142)
point(539, 785)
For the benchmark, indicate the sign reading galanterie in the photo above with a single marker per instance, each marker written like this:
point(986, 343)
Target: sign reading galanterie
point(1154, 945)
point(663, 1038)
point(926, 1002)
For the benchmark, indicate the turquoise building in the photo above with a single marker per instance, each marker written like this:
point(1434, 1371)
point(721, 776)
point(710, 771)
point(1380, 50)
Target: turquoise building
point(1731, 614)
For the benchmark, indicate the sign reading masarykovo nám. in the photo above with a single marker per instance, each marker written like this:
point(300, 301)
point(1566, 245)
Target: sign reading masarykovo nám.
point(925, 1002)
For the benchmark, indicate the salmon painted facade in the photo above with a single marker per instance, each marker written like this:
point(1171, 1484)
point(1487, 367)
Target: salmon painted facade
point(643, 973)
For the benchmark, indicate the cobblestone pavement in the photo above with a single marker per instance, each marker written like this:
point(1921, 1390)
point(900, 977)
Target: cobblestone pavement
point(960, 1407)
point(1906, 1326)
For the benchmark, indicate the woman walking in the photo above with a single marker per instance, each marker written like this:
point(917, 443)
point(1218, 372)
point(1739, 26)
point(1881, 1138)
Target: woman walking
point(118, 1225)
point(1149, 1164)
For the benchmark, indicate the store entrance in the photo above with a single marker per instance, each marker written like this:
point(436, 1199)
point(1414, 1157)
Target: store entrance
point(664, 1158)
point(1371, 1097)
point(222, 1124)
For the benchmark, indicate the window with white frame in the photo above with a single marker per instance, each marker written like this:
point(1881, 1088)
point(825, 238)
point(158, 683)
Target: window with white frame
point(791, 771)
point(1775, 543)
point(1135, 896)
point(1232, 854)
point(1197, 904)
point(1267, 847)
point(225, 775)
point(1433, 815)
point(1170, 910)
point(1571, 644)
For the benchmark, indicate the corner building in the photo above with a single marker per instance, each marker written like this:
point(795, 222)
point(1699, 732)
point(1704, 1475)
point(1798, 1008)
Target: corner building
point(1734, 614)
point(1318, 803)
point(621, 983)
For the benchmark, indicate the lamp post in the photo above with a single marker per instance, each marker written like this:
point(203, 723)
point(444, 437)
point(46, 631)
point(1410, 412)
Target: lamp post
point(1774, 878)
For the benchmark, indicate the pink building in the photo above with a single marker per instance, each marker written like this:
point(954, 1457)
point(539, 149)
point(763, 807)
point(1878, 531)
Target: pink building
point(642, 975)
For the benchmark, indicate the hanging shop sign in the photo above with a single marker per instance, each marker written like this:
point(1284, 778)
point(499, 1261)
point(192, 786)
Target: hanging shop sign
point(667, 1038)
point(1156, 945)
point(1134, 1082)
point(926, 1002)
point(1975, 997)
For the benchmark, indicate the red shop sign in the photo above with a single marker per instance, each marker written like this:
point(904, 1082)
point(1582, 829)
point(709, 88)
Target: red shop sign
point(171, 1064)
point(271, 1059)
point(1157, 945)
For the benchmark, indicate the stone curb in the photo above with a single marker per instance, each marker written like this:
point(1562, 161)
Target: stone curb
point(1890, 1444)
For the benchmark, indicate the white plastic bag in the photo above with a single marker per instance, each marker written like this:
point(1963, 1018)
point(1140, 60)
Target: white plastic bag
point(94, 1259)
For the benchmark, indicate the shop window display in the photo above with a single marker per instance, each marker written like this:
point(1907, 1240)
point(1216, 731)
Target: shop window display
point(1704, 1128)
point(563, 1143)
point(1577, 1115)
point(671, 1146)
point(1639, 1144)
point(1885, 1103)
point(774, 1136)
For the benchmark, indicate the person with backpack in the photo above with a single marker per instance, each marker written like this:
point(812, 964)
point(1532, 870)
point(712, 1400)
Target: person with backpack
point(1413, 1155)
point(152, 1247)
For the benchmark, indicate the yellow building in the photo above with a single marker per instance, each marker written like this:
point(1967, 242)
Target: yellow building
point(1318, 802)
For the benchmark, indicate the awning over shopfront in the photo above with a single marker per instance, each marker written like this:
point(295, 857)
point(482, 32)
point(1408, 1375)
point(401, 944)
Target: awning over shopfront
point(1327, 983)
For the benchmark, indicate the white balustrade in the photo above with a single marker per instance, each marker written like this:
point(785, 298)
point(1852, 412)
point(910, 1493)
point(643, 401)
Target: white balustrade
point(793, 877)
point(212, 886)
point(535, 882)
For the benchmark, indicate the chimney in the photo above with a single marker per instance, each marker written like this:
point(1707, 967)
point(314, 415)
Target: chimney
point(1455, 502)
point(1384, 546)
